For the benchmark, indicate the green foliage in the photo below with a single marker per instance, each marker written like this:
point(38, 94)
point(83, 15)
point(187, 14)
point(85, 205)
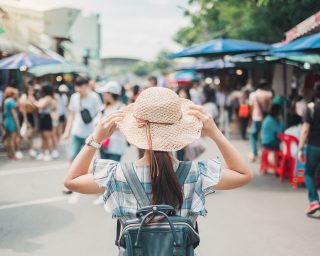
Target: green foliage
point(142, 69)
point(159, 64)
point(257, 20)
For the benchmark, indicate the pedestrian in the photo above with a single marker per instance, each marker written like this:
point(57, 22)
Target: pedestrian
point(62, 107)
point(310, 137)
point(181, 153)
point(11, 122)
point(58, 116)
point(244, 113)
point(160, 123)
point(196, 93)
point(29, 114)
point(45, 105)
point(210, 105)
point(114, 147)
point(152, 82)
point(271, 126)
point(135, 91)
point(260, 102)
point(224, 103)
point(83, 108)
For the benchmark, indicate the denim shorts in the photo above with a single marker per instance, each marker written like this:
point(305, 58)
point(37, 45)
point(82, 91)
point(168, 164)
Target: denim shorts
point(76, 145)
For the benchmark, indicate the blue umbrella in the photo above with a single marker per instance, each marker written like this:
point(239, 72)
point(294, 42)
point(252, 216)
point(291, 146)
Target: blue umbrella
point(220, 47)
point(25, 60)
point(216, 64)
point(311, 42)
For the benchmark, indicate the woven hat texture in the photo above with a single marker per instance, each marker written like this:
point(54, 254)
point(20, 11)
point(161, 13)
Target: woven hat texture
point(171, 128)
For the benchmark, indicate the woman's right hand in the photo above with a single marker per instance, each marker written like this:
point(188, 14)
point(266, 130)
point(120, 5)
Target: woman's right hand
point(107, 125)
point(209, 126)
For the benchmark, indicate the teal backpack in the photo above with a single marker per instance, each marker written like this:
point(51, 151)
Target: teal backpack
point(157, 230)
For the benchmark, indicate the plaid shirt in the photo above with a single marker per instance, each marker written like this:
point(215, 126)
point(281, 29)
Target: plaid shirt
point(120, 201)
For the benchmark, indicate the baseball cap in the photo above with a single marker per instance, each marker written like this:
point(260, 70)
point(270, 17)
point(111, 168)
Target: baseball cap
point(110, 87)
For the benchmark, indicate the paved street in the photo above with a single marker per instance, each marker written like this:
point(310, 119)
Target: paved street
point(264, 218)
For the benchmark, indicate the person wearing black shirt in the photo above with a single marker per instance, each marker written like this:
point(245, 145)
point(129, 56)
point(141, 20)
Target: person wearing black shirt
point(310, 136)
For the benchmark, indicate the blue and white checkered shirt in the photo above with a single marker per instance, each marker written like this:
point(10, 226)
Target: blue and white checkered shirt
point(120, 201)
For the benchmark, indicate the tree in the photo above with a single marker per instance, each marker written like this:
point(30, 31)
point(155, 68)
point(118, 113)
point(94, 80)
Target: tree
point(257, 20)
point(142, 69)
point(159, 64)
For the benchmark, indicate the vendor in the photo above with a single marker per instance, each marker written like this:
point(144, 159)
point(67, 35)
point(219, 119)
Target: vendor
point(271, 126)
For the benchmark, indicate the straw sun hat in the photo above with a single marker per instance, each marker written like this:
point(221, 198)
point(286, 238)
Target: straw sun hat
point(158, 121)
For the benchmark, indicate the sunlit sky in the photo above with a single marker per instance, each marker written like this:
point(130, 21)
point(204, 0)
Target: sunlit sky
point(130, 28)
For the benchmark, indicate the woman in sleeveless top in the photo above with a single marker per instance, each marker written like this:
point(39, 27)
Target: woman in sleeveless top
point(160, 123)
point(11, 121)
point(46, 104)
point(28, 111)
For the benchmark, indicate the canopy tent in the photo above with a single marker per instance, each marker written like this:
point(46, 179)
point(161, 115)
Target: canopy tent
point(221, 47)
point(216, 64)
point(185, 77)
point(307, 43)
point(21, 60)
point(293, 58)
point(60, 68)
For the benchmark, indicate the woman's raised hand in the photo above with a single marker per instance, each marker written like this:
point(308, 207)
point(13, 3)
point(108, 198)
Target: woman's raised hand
point(209, 126)
point(107, 125)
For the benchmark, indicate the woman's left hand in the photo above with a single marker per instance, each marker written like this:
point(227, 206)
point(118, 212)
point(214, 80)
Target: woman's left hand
point(107, 125)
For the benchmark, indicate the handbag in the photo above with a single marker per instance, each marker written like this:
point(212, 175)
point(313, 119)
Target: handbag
point(85, 114)
point(25, 130)
point(157, 230)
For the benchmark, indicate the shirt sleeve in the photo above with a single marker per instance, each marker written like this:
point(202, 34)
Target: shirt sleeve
point(209, 174)
point(104, 174)
point(12, 104)
point(97, 104)
point(72, 105)
point(307, 116)
point(103, 171)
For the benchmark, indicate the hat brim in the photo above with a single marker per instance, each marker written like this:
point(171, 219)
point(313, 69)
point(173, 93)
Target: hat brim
point(165, 137)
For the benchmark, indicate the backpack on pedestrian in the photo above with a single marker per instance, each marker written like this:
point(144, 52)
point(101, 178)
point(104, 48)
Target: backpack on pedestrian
point(157, 230)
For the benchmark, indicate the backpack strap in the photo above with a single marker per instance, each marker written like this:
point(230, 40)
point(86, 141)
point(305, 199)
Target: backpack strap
point(136, 188)
point(183, 171)
point(135, 185)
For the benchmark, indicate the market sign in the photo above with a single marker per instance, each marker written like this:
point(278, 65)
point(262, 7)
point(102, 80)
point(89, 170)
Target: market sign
point(306, 26)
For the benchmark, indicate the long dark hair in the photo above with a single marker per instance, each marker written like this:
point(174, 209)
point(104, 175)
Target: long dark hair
point(166, 188)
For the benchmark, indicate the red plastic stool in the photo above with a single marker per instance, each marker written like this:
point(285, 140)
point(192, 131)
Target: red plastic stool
point(265, 164)
point(288, 161)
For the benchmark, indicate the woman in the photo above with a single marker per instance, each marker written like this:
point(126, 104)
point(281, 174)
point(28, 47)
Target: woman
point(244, 113)
point(46, 105)
point(182, 153)
point(114, 147)
point(310, 138)
point(28, 111)
point(271, 126)
point(11, 122)
point(160, 123)
point(58, 117)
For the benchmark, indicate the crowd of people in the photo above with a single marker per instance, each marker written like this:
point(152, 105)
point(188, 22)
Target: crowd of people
point(40, 109)
point(64, 112)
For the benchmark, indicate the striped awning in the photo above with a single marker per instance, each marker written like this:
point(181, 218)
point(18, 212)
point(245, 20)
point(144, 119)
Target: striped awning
point(310, 25)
